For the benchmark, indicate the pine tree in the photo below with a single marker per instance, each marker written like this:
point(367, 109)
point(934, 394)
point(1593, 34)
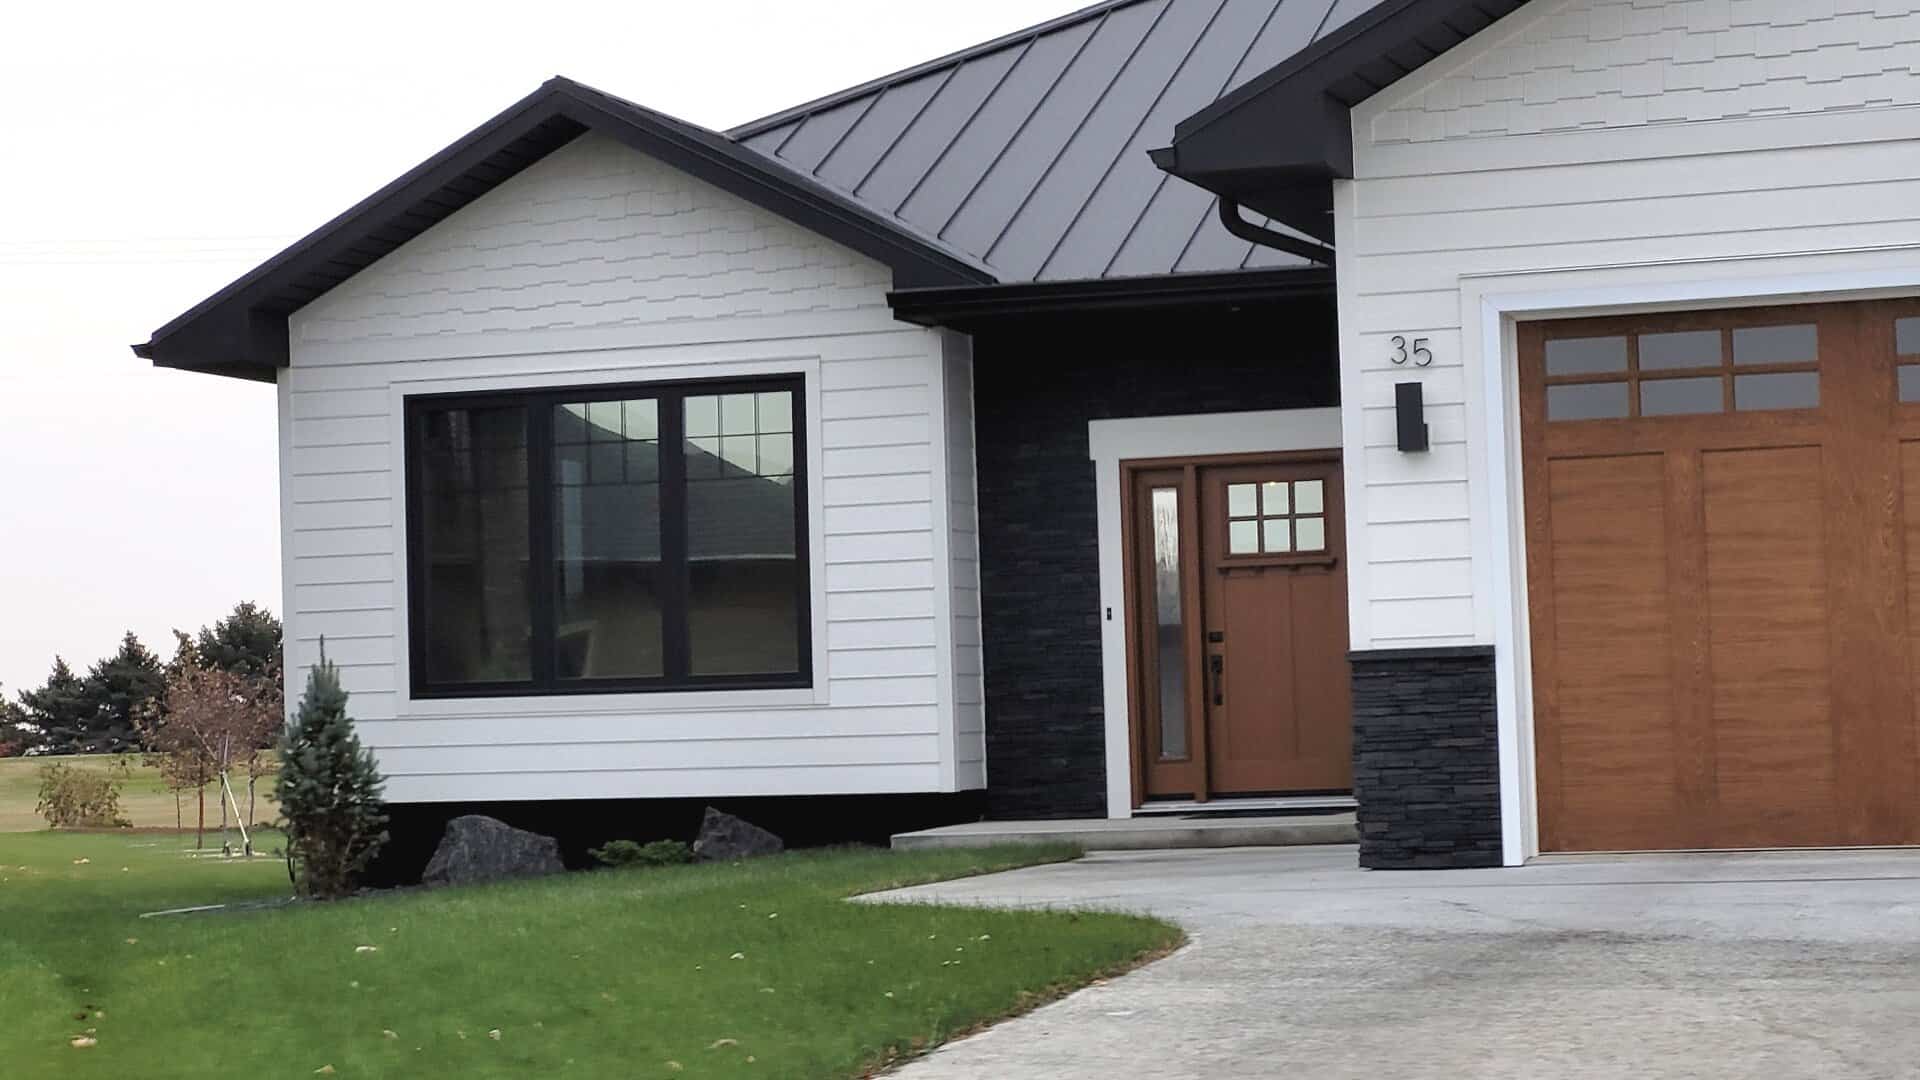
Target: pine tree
point(61, 709)
point(17, 735)
point(329, 791)
point(245, 642)
point(120, 688)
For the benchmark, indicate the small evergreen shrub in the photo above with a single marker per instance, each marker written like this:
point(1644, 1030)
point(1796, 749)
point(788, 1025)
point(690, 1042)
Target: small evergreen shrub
point(329, 791)
point(75, 798)
point(627, 853)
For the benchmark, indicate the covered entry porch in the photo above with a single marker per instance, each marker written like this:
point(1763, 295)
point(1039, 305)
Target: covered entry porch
point(1161, 633)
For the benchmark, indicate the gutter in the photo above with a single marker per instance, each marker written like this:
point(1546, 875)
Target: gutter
point(1270, 238)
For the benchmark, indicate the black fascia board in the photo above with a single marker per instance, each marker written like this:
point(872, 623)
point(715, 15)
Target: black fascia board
point(967, 306)
point(1287, 133)
point(241, 330)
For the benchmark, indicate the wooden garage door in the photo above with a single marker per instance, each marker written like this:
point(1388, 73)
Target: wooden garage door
point(1718, 510)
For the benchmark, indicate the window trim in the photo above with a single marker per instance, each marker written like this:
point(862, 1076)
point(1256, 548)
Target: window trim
point(539, 403)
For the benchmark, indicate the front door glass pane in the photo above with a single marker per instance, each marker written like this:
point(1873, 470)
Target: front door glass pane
point(1170, 633)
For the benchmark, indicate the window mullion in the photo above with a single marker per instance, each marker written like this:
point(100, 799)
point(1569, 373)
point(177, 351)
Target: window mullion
point(675, 635)
point(540, 571)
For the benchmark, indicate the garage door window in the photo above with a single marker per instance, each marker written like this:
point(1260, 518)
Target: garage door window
point(1692, 372)
point(1906, 345)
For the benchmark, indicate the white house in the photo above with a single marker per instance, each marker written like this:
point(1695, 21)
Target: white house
point(1499, 412)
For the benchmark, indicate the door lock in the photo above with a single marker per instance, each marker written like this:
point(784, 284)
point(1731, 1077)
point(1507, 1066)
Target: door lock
point(1217, 667)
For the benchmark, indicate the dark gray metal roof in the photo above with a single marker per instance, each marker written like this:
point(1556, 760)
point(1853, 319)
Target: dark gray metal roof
point(1029, 153)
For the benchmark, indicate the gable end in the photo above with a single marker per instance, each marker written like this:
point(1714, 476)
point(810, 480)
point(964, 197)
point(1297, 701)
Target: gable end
point(242, 330)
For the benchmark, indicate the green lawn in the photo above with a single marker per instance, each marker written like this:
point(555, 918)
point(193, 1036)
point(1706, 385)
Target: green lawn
point(146, 802)
point(747, 970)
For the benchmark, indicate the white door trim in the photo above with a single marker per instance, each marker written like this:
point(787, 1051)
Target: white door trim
point(1502, 302)
point(1110, 442)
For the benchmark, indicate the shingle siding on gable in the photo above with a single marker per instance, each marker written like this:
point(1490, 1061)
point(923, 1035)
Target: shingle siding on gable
point(1626, 63)
point(600, 265)
point(595, 236)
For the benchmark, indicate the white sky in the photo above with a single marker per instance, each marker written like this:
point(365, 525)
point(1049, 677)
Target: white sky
point(157, 151)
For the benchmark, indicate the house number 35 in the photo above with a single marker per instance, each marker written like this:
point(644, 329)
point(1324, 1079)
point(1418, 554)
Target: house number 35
point(1418, 352)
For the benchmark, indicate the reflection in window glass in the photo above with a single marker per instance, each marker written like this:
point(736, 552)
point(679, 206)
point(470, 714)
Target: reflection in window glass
point(1906, 336)
point(606, 540)
point(1243, 500)
point(1777, 345)
point(1587, 401)
point(1910, 382)
point(743, 559)
point(1586, 356)
point(1684, 349)
point(1783, 390)
point(1243, 537)
point(1170, 635)
point(1681, 397)
point(1310, 533)
point(472, 513)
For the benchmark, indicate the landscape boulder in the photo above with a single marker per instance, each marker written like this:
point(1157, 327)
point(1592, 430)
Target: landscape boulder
point(478, 848)
point(724, 837)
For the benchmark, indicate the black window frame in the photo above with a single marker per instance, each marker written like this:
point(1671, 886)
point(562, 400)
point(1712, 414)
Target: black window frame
point(676, 638)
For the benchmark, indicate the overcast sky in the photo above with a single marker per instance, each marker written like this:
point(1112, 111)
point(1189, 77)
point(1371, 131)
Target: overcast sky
point(157, 152)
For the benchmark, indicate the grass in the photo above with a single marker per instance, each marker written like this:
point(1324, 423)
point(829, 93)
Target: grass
point(758, 969)
point(144, 799)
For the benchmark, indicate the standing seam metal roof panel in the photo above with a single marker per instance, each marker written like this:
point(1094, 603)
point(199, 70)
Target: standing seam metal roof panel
point(1209, 243)
point(1029, 152)
point(1092, 246)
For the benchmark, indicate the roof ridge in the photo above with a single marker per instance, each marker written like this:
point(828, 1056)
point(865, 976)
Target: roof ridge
point(794, 175)
point(907, 74)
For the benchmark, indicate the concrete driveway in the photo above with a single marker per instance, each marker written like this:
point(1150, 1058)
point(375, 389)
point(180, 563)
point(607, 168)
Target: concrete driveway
point(1750, 966)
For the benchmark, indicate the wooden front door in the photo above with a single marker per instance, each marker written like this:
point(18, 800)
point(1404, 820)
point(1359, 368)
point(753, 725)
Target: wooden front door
point(1237, 615)
point(1720, 510)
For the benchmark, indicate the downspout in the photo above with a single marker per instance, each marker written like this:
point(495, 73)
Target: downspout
point(1270, 238)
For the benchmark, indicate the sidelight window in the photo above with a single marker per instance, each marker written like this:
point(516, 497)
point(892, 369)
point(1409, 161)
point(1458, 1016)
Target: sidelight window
point(608, 539)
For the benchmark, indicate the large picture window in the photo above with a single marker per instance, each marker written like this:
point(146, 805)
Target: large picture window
point(608, 539)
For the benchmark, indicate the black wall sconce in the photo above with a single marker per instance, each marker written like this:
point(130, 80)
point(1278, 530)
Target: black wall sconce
point(1410, 413)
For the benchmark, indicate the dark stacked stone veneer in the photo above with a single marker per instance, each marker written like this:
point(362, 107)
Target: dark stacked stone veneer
point(1426, 759)
point(1035, 387)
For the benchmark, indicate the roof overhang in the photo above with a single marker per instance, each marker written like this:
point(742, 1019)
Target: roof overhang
point(242, 329)
point(971, 307)
point(1276, 144)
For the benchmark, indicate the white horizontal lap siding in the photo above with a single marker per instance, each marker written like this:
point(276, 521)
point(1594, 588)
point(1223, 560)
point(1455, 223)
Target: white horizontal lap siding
point(1579, 145)
point(599, 265)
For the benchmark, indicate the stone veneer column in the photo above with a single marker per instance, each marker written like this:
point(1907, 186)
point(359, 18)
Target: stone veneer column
point(1426, 759)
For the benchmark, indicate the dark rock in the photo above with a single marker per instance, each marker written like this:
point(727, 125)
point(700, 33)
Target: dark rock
point(1426, 759)
point(478, 848)
point(724, 837)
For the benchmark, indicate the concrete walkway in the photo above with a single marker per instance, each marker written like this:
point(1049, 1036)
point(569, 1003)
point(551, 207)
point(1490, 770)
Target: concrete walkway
point(1143, 833)
point(1748, 966)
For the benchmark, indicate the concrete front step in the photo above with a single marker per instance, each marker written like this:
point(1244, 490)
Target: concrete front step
point(1142, 833)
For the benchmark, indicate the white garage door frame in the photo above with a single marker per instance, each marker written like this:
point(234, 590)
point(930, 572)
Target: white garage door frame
point(1492, 306)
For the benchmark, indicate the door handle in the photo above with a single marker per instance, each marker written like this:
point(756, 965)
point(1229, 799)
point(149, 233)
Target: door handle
point(1217, 668)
